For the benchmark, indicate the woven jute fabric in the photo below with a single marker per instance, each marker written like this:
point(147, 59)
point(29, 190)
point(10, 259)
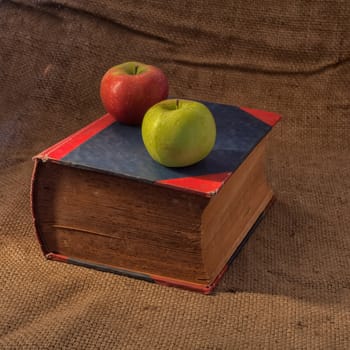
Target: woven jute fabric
point(290, 286)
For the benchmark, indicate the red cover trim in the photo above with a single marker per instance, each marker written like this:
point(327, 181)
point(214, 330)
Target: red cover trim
point(269, 118)
point(62, 148)
point(57, 257)
point(207, 184)
point(195, 287)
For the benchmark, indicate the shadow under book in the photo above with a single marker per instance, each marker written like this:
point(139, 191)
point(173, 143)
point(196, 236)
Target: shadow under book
point(100, 201)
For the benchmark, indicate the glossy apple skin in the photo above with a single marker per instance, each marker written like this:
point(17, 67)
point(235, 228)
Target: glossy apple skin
point(178, 133)
point(128, 90)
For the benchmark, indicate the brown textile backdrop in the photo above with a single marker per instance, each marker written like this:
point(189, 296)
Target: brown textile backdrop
point(290, 286)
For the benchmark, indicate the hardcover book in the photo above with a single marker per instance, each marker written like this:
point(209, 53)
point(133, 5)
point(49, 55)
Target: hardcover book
point(100, 201)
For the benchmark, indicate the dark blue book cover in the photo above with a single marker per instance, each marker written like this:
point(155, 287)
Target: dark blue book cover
point(108, 146)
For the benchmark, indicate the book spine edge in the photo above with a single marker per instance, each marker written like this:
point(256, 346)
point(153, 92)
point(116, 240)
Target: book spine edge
point(37, 163)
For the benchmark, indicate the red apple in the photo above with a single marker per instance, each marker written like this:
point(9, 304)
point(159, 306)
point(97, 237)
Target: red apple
point(129, 89)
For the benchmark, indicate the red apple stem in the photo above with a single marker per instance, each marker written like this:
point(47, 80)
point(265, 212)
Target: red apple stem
point(136, 67)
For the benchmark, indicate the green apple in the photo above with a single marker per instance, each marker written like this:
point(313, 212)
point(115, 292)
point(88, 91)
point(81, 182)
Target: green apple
point(178, 133)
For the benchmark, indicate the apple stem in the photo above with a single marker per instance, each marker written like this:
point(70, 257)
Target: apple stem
point(177, 104)
point(136, 67)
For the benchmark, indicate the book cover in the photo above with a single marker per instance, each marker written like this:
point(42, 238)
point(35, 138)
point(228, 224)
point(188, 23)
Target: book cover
point(110, 147)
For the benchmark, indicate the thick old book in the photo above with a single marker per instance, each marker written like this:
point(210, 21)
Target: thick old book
point(100, 201)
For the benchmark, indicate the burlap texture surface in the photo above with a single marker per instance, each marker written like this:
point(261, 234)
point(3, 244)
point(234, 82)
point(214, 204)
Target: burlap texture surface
point(290, 286)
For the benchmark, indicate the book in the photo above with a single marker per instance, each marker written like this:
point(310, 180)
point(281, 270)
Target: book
point(100, 201)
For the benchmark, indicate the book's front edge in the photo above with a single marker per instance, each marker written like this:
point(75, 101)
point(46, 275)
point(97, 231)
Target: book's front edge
point(162, 280)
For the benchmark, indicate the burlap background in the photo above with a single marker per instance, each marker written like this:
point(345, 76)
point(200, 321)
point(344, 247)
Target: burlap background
point(290, 287)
